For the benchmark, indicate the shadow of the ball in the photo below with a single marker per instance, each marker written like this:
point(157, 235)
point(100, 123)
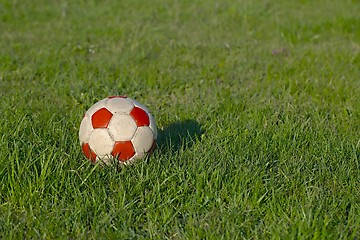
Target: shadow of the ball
point(178, 135)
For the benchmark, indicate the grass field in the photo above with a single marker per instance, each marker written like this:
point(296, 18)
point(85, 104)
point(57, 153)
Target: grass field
point(257, 104)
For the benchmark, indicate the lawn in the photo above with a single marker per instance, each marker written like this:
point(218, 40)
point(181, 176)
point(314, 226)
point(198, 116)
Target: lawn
point(257, 105)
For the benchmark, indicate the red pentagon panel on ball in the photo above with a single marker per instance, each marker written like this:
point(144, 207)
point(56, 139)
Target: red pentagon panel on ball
point(140, 116)
point(101, 118)
point(89, 154)
point(110, 97)
point(123, 150)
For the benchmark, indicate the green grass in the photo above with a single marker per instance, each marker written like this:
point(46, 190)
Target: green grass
point(257, 103)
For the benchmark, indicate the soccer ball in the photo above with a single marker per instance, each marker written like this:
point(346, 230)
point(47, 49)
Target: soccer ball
point(119, 129)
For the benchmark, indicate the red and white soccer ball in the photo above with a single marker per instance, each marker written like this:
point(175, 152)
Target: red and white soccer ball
point(117, 128)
